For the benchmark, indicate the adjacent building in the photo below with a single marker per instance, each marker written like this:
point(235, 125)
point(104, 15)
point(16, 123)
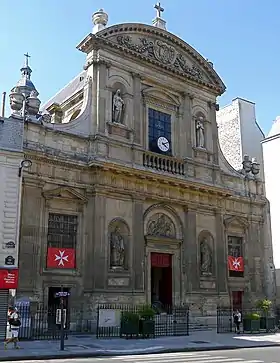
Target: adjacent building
point(129, 198)
point(239, 133)
point(271, 147)
point(11, 156)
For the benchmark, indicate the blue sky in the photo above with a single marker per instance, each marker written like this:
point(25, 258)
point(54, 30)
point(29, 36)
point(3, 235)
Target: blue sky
point(240, 37)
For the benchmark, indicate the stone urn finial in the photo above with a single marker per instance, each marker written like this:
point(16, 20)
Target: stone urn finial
point(100, 20)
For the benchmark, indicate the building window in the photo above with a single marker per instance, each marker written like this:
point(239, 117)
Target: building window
point(159, 127)
point(62, 230)
point(235, 256)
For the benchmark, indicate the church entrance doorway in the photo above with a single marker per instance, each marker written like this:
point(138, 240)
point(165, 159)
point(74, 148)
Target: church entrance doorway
point(161, 280)
point(237, 297)
point(54, 302)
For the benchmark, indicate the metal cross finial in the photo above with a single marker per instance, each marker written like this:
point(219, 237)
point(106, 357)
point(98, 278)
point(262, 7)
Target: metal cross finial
point(26, 58)
point(159, 9)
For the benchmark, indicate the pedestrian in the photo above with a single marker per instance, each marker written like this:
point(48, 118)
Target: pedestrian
point(237, 320)
point(13, 328)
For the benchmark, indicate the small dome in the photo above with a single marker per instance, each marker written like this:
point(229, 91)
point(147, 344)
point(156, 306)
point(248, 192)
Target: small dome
point(25, 82)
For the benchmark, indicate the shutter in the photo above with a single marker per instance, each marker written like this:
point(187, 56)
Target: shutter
point(4, 295)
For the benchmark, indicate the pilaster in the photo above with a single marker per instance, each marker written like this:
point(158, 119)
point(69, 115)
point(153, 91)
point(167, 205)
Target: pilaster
point(102, 69)
point(100, 241)
point(186, 127)
point(137, 108)
point(190, 266)
point(89, 243)
point(221, 254)
point(138, 245)
point(212, 113)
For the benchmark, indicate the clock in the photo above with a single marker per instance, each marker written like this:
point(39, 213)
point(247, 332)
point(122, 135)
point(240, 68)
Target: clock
point(163, 144)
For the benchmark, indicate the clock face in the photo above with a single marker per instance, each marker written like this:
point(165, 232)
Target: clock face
point(163, 144)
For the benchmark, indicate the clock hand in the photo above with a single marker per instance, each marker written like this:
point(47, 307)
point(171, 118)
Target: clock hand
point(165, 143)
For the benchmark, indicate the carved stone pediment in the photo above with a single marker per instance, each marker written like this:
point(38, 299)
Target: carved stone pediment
point(165, 49)
point(160, 225)
point(65, 193)
point(236, 221)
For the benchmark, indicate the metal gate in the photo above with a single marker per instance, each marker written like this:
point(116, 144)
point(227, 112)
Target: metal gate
point(224, 320)
point(4, 296)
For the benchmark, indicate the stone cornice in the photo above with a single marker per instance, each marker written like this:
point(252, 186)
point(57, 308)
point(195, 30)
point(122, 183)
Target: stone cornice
point(162, 179)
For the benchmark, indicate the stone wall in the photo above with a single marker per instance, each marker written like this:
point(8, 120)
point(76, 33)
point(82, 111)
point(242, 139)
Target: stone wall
point(9, 213)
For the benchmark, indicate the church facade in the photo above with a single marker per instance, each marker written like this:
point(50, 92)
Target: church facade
point(129, 198)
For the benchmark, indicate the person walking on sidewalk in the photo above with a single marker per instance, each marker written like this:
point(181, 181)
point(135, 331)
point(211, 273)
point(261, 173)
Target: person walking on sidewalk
point(13, 329)
point(237, 320)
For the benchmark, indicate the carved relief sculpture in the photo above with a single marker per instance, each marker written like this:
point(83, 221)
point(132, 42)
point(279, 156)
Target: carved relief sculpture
point(161, 226)
point(206, 260)
point(118, 105)
point(117, 249)
point(199, 128)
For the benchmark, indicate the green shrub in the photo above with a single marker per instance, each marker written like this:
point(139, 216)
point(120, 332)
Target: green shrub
point(253, 316)
point(130, 316)
point(264, 305)
point(147, 312)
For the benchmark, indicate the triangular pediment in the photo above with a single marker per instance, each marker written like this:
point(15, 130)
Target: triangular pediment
point(236, 221)
point(66, 193)
point(161, 95)
point(164, 49)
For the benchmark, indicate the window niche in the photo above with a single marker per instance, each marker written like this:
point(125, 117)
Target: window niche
point(200, 138)
point(120, 109)
point(206, 254)
point(118, 245)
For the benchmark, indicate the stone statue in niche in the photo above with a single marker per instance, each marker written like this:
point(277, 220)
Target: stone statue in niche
point(161, 226)
point(118, 105)
point(199, 129)
point(117, 249)
point(206, 261)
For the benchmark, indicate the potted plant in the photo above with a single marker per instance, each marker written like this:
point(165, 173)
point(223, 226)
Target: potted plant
point(129, 324)
point(266, 322)
point(147, 322)
point(251, 322)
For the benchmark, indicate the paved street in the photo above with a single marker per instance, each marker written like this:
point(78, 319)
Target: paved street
point(89, 346)
point(253, 355)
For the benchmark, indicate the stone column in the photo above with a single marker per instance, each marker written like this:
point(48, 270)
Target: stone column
point(101, 96)
point(190, 265)
point(186, 127)
point(100, 256)
point(137, 108)
point(138, 245)
point(212, 112)
point(221, 270)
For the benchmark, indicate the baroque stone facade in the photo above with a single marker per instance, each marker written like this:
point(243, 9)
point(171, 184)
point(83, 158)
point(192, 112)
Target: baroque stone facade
point(95, 160)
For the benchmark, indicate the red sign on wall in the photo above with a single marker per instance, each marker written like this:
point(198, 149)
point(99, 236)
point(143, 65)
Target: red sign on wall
point(236, 264)
point(160, 260)
point(8, 279)
point(61, 258)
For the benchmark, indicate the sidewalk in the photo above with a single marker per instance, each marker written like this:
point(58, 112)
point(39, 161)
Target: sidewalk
point(89, 346)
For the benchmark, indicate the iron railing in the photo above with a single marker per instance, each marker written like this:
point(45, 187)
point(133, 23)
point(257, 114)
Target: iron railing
point(253, 320)
point(170, 321)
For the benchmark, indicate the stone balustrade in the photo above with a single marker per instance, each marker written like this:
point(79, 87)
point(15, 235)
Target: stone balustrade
point(163, 163)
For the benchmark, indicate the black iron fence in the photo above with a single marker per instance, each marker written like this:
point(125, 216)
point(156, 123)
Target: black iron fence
point(252, 320)
point(41, 323)
point(137, 321)
point(106, 321)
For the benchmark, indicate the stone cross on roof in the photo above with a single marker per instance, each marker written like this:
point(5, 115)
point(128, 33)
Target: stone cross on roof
point(26, 58)
point(159, 9)
point(158, 21)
